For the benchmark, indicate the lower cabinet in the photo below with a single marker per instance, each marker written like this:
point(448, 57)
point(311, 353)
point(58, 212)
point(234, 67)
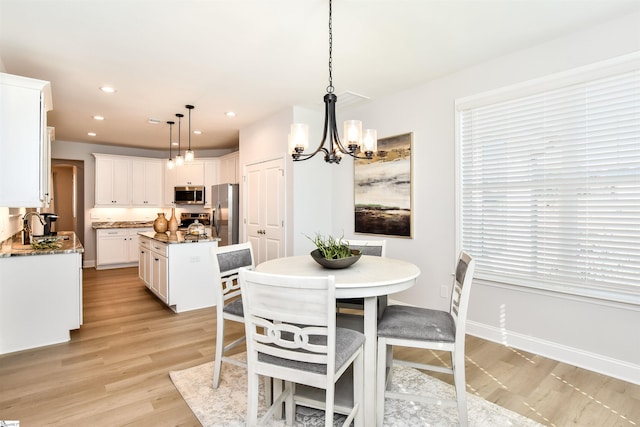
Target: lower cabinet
point(41, 300)
point(179, 274)
point(117, 247)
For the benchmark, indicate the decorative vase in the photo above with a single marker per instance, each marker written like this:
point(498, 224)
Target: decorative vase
point(160, 224)
point(173, 221)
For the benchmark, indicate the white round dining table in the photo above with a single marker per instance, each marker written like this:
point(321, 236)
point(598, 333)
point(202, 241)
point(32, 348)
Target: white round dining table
point(368, 278)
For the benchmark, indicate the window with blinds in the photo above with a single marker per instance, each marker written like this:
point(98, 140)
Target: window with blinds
point(549, 187)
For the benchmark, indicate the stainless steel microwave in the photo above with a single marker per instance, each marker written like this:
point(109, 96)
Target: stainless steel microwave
point(191, 195)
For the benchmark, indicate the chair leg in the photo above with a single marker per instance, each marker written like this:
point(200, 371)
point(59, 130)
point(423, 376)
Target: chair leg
point(217, 365)
point(329, 402)
point(290, 406)
point(381, 380)
point(252, 399)
point(358, 389)
point(461, 387)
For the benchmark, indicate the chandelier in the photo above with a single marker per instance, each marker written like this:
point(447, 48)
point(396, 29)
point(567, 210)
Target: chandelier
point(355, 143)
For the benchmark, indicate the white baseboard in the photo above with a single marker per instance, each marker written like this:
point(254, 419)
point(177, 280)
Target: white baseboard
point(592, 361)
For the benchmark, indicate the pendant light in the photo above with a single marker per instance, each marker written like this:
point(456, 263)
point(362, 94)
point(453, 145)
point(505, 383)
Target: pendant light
point(179, 158)
point(188, 155)
point(354, 142)
point(170, 163)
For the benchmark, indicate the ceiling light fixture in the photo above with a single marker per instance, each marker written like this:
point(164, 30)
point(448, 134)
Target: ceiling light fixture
point(354, 145)
point(98, 118)
point(188, 155)
point(107, 89)
point(91, 133)
point(170, 161)
point(179, 158)
point(230, 114)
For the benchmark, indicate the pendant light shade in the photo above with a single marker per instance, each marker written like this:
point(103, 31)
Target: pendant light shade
point(170, 163)
point(179, 158)
point(188, 155)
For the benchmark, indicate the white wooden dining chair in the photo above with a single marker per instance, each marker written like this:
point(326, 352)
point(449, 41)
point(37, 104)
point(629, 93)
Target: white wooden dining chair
point(227, 260)
point(292, 336)
point(372, 248)
point(429, 329)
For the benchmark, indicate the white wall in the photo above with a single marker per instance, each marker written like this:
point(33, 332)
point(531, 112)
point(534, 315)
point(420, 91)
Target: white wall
point(308, 184)
point(596, 335)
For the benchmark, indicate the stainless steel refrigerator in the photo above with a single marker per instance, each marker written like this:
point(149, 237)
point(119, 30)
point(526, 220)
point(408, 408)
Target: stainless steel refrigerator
point(224, 198)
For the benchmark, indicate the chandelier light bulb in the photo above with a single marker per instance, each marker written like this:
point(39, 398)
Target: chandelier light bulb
point(179, 160)
point(170, 164)
point(188, 156)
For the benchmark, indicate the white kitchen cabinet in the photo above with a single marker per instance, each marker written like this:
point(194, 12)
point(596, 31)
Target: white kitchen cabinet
point(147, 176)
point(25, 158)
point(179, 274)
point(211, 173)
point(144, 260)
point(169, 184)
point(117, 247)
point(159, 270)
point(191, 173)
point(112, 181)
point(230, 168)
point(41, 300)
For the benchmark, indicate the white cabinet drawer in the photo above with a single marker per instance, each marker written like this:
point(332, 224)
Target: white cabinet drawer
point(159, 248)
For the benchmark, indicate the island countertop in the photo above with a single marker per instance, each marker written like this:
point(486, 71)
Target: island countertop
point(69, 243)
point(178, 237)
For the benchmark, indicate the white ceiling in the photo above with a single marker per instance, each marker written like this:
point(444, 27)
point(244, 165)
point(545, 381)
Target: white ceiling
point(254, 57)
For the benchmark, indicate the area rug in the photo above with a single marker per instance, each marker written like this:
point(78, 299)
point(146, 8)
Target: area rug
point(226, 406)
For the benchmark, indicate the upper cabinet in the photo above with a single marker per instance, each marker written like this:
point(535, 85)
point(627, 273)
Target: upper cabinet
point(230, 168)
point(147, 179)
point(122, 181)
point(191, 173)
point(25, 158)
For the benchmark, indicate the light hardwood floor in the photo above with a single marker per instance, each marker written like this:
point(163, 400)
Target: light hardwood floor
point(114, 371)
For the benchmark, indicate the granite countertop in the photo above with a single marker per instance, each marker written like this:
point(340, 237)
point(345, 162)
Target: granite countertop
point(178, 237)
point(122, 224)
point(69, 243)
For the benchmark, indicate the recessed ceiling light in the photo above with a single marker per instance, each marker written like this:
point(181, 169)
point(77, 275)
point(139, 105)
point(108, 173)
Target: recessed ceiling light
point(107, 89)
point(98, 117)
point(197, 132)
point(174, 143)
point(230, 114)
point(154, 121)
point(91, 134)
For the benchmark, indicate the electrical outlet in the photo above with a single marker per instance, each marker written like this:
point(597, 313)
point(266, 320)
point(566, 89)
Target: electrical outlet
point(444, 291)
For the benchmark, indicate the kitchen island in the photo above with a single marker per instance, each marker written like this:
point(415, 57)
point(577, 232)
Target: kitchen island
point(178, 269)
point(40, 292)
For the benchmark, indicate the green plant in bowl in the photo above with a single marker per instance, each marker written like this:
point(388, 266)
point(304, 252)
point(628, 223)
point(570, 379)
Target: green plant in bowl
point(333, 252)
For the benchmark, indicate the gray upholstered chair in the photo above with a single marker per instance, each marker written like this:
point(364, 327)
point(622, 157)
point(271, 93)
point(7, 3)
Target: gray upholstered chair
point(425, 328)
point(292, 336)
point(227, 260)
point(372, 248)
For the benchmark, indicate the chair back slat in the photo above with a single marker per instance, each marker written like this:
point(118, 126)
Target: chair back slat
point(289, 317)
point(227, 261)
point(369, 247)
point(461, 291)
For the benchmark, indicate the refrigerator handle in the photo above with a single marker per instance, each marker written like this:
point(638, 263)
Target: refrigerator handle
point(217, 219)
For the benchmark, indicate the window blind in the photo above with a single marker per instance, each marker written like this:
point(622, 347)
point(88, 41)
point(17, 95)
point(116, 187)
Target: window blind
point(550, 188)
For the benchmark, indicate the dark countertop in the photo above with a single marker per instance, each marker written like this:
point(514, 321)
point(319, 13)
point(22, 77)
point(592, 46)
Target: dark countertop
point(13, 246)
point(122, 224)
point(178, 237)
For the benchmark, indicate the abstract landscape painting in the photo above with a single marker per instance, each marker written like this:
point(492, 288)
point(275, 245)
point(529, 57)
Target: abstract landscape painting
point(382, 187)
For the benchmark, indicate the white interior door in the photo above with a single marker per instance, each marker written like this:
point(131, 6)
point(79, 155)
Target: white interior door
point(264, 213)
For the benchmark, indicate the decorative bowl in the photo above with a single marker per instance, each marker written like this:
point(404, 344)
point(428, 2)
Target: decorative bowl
point(335, 263)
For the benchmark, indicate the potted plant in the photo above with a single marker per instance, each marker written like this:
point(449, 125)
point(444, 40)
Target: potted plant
point(333, 252)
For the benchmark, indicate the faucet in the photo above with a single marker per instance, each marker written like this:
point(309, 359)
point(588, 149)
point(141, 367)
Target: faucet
point(26, 228)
